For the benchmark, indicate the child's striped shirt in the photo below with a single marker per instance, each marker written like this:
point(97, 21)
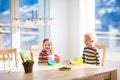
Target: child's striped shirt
point(90, 56)
point(44, 57)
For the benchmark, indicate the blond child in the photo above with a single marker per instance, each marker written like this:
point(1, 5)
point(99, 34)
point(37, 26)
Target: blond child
point(90, 52)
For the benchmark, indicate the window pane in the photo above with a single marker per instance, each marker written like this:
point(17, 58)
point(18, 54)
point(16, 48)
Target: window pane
point(28, 8)
point(6, 41)
point(108, 23)
point(107, 15)
point(29, 36)
point(27, 40)
point(5, 23)
point(5, 12)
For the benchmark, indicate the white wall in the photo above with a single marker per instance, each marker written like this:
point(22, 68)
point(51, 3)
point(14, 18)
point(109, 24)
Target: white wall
point(86, 19)
point(60, 10)
point(73, 18)
point(74, 29)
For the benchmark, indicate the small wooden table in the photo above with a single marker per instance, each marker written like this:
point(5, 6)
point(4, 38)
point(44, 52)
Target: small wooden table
point(83, 72)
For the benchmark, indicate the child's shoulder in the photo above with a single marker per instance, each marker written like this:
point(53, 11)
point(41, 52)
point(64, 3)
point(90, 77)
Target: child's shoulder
point(90, 48)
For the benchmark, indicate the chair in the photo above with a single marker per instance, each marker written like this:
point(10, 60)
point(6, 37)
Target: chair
point(35, 50)
point(102, 48)
point(6, 56)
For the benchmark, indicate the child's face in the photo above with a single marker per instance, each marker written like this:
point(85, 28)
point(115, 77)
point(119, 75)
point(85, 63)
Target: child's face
point(88, 41)
point(47, 46)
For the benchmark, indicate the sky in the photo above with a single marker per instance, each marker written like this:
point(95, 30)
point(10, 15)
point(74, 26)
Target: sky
point(26, 7)
point(5, 4)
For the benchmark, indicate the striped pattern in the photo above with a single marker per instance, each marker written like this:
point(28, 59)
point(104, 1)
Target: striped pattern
point(43, 57)
point(90, 56)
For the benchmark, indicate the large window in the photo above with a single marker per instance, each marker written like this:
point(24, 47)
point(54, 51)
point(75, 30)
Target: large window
point(108, 23)
point(21, 37)
point(5, 30)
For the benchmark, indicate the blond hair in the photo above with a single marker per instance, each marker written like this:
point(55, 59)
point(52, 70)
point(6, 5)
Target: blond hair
point(92, 36)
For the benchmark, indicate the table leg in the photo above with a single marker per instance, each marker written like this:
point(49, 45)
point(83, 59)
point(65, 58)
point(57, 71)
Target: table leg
point(113, 75)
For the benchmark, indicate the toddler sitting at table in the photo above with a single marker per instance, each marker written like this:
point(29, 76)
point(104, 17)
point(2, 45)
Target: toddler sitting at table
point(90, 52)
point(47, 56)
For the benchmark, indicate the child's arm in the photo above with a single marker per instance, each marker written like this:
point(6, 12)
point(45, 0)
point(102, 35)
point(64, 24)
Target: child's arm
point(83, 56)
point(97, 58)
point(40, 58)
